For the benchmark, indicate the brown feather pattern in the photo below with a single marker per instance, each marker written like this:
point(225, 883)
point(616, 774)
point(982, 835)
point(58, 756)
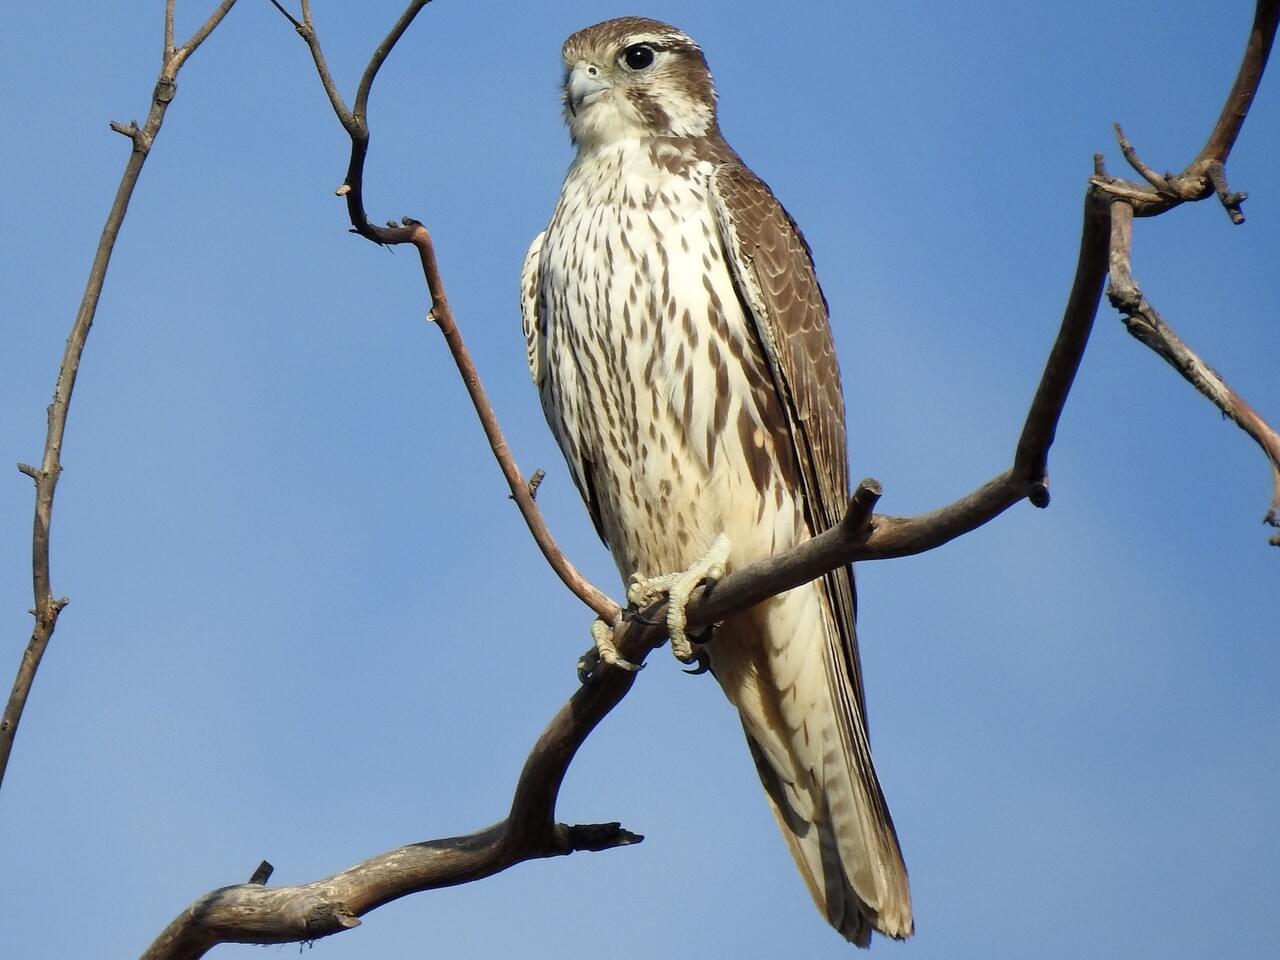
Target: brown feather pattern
point(681, 346)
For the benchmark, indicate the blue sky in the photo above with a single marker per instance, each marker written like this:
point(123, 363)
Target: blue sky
point(307, 625)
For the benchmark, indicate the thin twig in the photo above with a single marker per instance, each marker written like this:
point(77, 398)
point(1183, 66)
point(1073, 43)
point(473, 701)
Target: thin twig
point(307, 31)
point(287, 15)
point(411, 231)
point(442, 314)
point(180, 55)
point(168, 31)
point(1158, 180)
point(1200, 179)
point(47, 608)
point(536, 481)
point(1230, 200)
point(361, 106)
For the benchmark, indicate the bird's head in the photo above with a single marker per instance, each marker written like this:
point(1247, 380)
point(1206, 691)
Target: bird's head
point(634, 78)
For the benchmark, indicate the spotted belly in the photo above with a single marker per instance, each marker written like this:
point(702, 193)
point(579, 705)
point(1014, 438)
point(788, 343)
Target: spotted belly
point(656, 384)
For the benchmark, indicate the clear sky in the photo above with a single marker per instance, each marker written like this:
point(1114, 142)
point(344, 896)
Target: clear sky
point(307, 625)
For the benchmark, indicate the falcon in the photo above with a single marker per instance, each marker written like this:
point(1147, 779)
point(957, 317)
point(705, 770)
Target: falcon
point(680, 345)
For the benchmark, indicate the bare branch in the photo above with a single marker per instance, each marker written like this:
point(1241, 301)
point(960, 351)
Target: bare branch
point(535, 482)
point(864, 536)
point(287, 15)
point(129, 130)
point(1031, 457)
point(1143, 321)
point(1158, 180)
point(442, 314)
point(168, 31)
point(1230, 201)
point(47, 608)
point(306, 30)
point(1257, 50)
point(412, 232)
point(361, 108)
point(1204, 176)
point(179, 56)
point(254, 913)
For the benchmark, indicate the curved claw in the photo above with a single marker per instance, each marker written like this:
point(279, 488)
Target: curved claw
point(603, 652)
point(703, 661)
point(679, 587)
point(588, 664)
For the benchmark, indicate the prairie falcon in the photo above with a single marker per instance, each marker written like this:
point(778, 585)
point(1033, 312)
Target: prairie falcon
point(680, 344)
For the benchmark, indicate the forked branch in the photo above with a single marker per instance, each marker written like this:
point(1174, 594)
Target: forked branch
point(355, 122)
point(47, 608)
point(1203, 177)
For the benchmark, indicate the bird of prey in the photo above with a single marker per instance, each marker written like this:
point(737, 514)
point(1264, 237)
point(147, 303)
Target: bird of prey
point(680, 345)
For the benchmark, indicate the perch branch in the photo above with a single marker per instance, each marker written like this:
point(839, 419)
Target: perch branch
point(864, 535)
point(47, 608)
point(1205, 176)
point(254, 913)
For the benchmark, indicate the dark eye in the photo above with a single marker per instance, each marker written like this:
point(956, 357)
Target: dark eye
point(637, 56)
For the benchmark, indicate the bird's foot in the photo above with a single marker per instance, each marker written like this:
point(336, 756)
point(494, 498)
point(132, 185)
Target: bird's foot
point(644, 590)
point(603, 651)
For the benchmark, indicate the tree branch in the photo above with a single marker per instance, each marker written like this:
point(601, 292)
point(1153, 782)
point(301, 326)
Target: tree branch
point(47, 609)
point(254, 913)
point(1143, 321)
point(412, 232)
point(1205, 176)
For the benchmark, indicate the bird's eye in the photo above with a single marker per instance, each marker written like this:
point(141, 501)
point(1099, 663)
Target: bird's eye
point(637, 56)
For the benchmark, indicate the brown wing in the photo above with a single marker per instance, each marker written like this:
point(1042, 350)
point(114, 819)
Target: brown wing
point(778, 286)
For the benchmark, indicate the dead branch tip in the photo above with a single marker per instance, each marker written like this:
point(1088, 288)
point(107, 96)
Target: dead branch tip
point(1039, 493)
point(595, 837)
point(1230, 201)
point(861, 505)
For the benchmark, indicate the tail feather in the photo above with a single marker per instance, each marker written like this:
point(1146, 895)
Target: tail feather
point(782, 664)
point(819, 861)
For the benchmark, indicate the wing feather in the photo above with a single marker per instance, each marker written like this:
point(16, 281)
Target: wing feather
point(778, 285)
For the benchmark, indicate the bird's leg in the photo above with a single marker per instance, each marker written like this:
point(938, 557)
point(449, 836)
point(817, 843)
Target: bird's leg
point(678, 587)
point(604, 651)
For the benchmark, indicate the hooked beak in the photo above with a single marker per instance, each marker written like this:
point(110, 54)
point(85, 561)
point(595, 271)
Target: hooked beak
point(583, 84)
